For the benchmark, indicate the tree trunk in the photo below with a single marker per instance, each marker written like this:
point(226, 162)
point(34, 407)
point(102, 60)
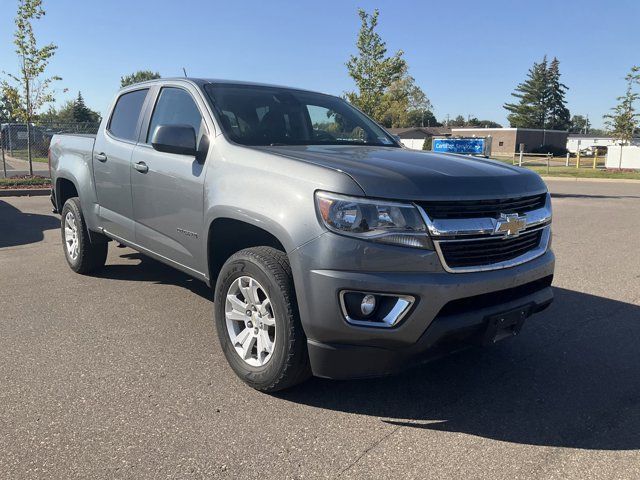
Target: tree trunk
point(4, 163)
point(29, 148)
point(29, 127)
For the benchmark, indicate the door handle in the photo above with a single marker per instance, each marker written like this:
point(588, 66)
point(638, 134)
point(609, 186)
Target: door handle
point(141, 167)
point(101, 157)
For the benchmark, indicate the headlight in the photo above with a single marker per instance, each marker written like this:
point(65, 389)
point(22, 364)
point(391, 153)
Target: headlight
point(376, 220)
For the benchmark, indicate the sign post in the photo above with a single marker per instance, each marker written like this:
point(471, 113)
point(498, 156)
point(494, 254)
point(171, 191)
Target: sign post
point(521, 154)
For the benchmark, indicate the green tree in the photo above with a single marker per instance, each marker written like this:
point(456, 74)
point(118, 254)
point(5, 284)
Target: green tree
point(404, 104)
point(82, 113)
point(579, 124)
point(541, 99)
point(29, 90)
point(458, 121)
point(421, 118)
point(558, 117)
point(622, 123)
point(137, 77)
point(72, 111)
point(531, 109)
point(372, 70)
point(6, 109)
point(418, 103)
point(474, 122)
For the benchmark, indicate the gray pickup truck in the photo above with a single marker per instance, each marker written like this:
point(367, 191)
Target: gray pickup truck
point(332, 250)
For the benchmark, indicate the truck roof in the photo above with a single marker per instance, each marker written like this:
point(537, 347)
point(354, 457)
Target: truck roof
point(204, 81)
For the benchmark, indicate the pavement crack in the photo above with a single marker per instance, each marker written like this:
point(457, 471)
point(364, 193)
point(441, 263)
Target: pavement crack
point(368, 449)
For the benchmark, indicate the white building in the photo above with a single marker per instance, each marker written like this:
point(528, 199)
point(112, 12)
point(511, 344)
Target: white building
point(414, 137)
point(587, 142)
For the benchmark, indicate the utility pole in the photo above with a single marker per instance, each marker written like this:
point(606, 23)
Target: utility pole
point(587, 125)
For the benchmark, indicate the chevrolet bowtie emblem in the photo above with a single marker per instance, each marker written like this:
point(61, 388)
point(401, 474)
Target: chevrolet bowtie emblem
point(510, 224)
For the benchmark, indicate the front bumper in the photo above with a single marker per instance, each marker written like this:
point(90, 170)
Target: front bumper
point(448, 306)
point(445, 334)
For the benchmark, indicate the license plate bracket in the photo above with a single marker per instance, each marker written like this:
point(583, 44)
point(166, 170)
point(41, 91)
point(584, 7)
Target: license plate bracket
point(505, 324)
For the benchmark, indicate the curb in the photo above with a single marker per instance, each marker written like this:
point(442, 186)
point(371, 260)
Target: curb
point(586, 179)
point(25, 192)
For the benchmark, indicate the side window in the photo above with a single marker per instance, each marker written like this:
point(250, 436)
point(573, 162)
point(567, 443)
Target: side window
point(124, 118)
point(175, 107)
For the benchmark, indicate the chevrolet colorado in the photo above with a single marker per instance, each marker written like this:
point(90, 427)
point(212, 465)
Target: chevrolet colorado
point(331, 249)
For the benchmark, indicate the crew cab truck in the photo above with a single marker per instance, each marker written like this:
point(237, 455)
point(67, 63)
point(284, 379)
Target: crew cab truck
point(331, 249)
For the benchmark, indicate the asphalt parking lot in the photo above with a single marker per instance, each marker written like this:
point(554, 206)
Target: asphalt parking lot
point(121, 376)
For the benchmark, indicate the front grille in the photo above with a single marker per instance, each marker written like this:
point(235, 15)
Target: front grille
point(483, 208)
point(488, 251)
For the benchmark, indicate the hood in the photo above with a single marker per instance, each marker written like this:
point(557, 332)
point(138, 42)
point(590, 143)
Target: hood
point(398, 173)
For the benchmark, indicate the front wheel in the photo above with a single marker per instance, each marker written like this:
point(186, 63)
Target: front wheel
point(257, 320)
point(83, 255)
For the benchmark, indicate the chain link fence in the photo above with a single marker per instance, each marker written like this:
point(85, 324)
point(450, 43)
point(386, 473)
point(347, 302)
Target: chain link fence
point(19, 144)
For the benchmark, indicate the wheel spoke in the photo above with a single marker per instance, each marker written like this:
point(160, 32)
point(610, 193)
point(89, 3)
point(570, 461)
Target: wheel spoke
point(267, 344)
point(260, 347)
point(237, 304)
point(268, 321)
point(242, 336)
point(247, 346)
point(262, 308)
point(236, 315)
point(250, 292)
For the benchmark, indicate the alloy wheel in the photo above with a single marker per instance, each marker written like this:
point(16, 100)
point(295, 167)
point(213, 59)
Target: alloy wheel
point(250, 320)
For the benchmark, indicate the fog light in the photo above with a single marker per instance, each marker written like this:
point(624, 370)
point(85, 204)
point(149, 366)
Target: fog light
point(368, 305)
point(365, 309)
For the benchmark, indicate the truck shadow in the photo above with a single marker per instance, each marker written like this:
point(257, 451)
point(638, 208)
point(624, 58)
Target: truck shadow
point(588, 196)
point(572, 379)
point(146, 269)
point(20, 228)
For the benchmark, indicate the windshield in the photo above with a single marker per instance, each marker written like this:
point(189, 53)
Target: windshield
point(255, 115)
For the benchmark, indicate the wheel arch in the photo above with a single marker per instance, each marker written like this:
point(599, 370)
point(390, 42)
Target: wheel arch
point(227, 235)
point(65, 189)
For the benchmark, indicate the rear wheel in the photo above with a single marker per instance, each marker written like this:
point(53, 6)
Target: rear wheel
point(257, 320)
point(83, 255)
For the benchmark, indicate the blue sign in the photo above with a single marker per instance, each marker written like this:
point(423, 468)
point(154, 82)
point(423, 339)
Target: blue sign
point(469, 146)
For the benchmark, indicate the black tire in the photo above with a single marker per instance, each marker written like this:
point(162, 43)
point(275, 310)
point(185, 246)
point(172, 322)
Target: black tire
point(289, 362)
point(90, 256)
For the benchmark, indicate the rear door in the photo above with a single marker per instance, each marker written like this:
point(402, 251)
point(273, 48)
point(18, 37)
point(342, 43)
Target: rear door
point(112, 163)
point(168, 195)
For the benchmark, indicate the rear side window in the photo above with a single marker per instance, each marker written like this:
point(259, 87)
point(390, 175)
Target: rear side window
point(126, 113)
point(175, 106)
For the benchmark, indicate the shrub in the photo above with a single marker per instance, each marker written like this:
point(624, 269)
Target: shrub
point(552, 149)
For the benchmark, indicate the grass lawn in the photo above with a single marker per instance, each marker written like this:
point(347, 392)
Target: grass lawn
point(22, 155)
point(24, 182)
point(582, 172)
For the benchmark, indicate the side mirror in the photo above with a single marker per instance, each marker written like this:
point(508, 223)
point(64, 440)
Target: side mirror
point(180, 139)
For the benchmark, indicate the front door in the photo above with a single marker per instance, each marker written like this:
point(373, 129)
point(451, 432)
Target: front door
point(168, 192)
point(112, 164)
